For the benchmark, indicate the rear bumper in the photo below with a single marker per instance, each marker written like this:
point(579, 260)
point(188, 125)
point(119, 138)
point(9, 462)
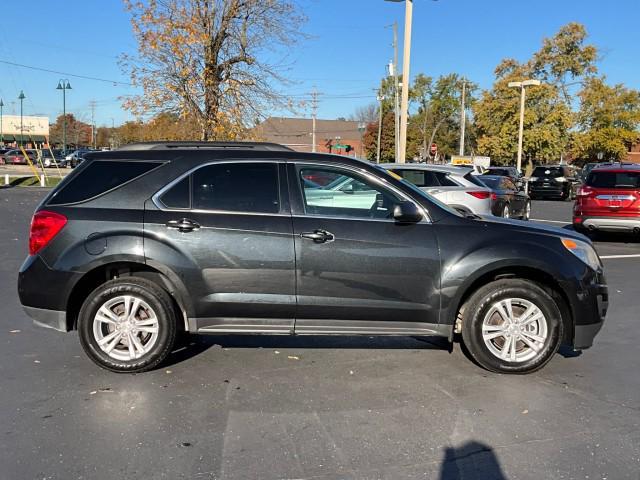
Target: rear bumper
point(551, 191)
point(42, 317)
point(611, 224)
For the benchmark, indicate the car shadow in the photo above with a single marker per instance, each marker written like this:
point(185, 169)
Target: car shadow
point(471, 460)
point(191, 346)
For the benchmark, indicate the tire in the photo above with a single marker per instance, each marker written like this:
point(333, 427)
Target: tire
point(527, 211)
point(481, 311)
point(154, 325)
point(506, 211)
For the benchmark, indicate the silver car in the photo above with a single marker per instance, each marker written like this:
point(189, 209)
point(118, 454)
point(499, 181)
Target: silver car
point(455, 186)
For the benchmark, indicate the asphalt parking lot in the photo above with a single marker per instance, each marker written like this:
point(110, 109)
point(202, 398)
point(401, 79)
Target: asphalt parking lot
point(317, 408)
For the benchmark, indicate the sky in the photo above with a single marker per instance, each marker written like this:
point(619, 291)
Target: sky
point(344, 55)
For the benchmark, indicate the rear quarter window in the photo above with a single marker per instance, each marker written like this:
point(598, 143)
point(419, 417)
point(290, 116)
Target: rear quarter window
point(99, 177)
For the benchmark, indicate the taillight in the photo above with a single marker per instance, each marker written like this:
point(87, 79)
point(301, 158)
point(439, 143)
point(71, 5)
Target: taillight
point(482, 194)
point(584, 191)
point(494, 196)
point(44, 226)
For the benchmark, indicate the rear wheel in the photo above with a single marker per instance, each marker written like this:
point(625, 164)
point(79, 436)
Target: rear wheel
point(506, 211)
point(527, 211)
point(127, 325)
point(512, 326)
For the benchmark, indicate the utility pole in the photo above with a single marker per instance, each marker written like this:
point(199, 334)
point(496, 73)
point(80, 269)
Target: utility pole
point(314, 111)
point(463, 118)
point(396, 89)
point(380, 99)
point(92, 104)
point(406, 59)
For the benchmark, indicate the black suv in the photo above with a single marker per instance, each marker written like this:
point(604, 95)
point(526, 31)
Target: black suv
point(141, 243)
point(554, 181)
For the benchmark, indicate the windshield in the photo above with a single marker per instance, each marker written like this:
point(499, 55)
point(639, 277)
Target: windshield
point(614, 179)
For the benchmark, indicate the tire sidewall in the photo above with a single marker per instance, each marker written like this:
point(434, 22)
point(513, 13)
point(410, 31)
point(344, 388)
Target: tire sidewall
point(163, 311)
point(479, 307)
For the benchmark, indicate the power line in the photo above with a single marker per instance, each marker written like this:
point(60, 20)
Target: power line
point(85, 77)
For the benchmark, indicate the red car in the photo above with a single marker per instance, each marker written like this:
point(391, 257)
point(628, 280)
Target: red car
point(609, 200)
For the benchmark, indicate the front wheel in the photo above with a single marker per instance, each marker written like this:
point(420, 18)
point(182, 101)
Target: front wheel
point(127, 325)
point(512, 326)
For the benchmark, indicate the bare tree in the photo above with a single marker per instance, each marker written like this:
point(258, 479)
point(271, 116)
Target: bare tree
point(211, 60)
point(366, 113)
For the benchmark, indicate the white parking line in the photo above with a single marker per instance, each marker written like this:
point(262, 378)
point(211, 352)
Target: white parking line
point(635, 255)
point(550, 221)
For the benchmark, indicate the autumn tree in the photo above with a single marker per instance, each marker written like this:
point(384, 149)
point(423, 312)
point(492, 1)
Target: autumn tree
point(209, 60)
point(607, 121)
point(78, 132)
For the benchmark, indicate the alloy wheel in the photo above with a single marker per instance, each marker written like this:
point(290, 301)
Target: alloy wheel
point(125, 327)
point(514, 330)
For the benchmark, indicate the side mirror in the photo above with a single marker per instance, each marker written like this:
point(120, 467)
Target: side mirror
point(407, 212)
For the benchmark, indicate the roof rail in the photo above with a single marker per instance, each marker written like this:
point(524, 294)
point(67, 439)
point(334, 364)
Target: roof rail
point(258, 146)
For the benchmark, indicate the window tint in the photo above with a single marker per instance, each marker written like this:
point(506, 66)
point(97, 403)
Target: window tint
point(178, 196)
point(444, 180)
point(426, 178)
point(470, 177)
point(550, 172)
point(614, 179)
point(99, 177)
point(349, 195)
point(236, 187)
point(420, 178)
point(491, 182)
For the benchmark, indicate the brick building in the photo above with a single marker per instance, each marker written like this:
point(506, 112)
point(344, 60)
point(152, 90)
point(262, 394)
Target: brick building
point(633, 155)
point(297, 134)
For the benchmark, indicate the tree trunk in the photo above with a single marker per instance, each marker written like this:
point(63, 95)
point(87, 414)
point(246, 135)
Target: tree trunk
point(433, 134)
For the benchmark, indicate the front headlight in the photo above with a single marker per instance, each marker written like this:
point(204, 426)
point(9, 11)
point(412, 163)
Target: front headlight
point(583, 251)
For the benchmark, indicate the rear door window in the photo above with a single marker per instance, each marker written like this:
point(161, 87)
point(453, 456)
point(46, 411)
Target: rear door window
point(99, 177)
point(236, 187)
point(630, 180)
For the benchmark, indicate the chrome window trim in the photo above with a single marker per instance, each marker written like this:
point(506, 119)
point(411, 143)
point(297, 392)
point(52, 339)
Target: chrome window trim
point(381, 181)
point(161, 206)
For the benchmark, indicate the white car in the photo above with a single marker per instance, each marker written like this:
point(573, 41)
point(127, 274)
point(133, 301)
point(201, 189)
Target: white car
point(455, 186)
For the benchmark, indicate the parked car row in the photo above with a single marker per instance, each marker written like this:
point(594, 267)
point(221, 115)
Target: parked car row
point(49, 158)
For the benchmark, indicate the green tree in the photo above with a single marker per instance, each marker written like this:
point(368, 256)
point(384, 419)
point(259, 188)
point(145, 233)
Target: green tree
point(607, 121)
point(548, 115)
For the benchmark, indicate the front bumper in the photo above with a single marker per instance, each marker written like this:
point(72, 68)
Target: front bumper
point(43, 317)
point(610, 224)
point(589, 310)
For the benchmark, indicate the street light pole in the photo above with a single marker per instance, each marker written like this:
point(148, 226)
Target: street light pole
point(521, 86)
point(396, 89)
point(21, 97)
point(1, 130)
point(64, 85)
point(380, 99)
point(463, 119)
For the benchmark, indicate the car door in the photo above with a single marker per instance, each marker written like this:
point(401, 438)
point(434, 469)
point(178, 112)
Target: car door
point(357, 271)
point(225, 229)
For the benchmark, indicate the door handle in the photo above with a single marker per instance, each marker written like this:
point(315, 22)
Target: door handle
point(183, 225)
point(319, 236)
